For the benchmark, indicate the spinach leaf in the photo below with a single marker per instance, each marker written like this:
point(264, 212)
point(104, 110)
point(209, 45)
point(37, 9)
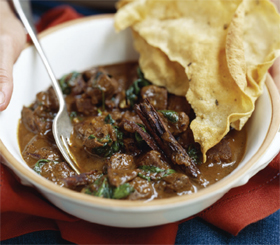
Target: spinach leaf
point(169, 171)
point(91, 137)
point(99, 112)
point(154, 173)
point(133, 91)
point(109, 120)
point(144, 176)
point(194, 153)
point(38, 165)
point(131, 98)
point(152, 169)
point(122, 191)
point(64, 85)
point(100, 188)
point(67, 81)
point(138, 137)
point(172, 116)
point(106, 149)
point(72, 115)
point(72, 78)
point(110, 147)
point(104, 189)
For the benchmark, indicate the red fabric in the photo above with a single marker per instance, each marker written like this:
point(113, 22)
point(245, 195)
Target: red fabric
point(24, 210)
point(57, 16)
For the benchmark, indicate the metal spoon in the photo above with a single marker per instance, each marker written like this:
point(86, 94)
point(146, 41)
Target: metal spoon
point(62, 126)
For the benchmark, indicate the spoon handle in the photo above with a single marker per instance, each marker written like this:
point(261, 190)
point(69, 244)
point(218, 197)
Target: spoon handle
point(38, 46)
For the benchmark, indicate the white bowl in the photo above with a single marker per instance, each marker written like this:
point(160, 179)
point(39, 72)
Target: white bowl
point(78, 45)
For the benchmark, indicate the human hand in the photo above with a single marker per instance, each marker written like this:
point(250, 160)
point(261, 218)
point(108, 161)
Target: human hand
point(12, 40)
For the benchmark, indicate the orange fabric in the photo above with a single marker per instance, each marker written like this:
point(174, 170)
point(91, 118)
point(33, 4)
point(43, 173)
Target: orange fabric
point(24, 210)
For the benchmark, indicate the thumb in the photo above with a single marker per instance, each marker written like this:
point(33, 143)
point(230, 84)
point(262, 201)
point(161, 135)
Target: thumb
point(12, 40)
point(6, 69)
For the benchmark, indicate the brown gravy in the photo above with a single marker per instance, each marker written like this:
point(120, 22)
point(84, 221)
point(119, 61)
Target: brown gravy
point(109, 150)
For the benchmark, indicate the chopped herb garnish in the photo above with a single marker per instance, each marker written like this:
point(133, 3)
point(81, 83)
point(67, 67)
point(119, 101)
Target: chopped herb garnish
point(130, 96)
point(64, 85)
point(154, 173)
point(99, 112)
point(109, 120)
point(104, 190)
point(72, 78)
point(38, 165)
point(144, 177)
point(169, 171)
point(105, 139)
point(110, 147)
point(194, 154)
point(73, 114)
point(122, 191)
point(133, 91)
point(152, 169)
point(172, 116)
point(91, 137)
point(67, 81)
point(99, 188)
point(138, 137)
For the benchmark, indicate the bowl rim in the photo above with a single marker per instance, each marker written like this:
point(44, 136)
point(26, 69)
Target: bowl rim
point(159, 204)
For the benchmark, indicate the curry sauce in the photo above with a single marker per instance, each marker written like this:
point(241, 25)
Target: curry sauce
point(131, 139)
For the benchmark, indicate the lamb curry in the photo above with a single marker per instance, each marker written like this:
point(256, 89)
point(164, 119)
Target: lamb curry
point(131, 139)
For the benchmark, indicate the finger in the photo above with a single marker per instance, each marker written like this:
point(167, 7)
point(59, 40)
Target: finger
point(12, 40)
point(6, 69)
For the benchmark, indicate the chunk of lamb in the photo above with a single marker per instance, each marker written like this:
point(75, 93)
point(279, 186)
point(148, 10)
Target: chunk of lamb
point(121, 169)
point(82, 179)
point(156, 95)
point(186, 138)
point(54, 172)
point(152, 158)
point(129, 116)
point(178, 127)
point(179, 104)
point(178, 183)
point(91, 132)
point(101, 87)
point(220, 152)
point(84, 105)
point(143, 189)
point(33, 122)
point(76, 83)
point(48, 99)
point(131, 146)
point(40, 147)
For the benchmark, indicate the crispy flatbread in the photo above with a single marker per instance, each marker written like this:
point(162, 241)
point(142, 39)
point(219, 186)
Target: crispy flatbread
point(215, 52)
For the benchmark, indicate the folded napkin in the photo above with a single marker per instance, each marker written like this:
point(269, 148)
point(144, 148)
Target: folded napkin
point(24, 210)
